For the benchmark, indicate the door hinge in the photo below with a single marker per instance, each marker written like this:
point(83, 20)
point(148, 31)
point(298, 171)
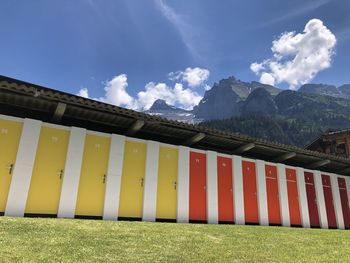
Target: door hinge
point(104, 179)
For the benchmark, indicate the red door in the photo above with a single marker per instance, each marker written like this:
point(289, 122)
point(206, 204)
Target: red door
point(273, 204)
point(344, 202)
point(311, 199)
point(250, 193)
point(198, 204)
point(328, 198)
point(225, 190)
point(293, 199)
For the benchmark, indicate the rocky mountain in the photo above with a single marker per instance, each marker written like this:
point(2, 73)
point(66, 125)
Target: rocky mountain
point(227, 97)
point(252, 108)
point(321, 89)
point(260, 101)
point(162, 109)
point(290, 117)
point(327, 90)
point(345, 90)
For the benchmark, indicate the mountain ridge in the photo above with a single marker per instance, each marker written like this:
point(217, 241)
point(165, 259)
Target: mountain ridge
point(255, 109)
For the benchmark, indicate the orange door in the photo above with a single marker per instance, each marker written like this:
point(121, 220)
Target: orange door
point(250, 193)
point(273, 204)
point(198, 184)
point(293, 199)
point(225, 190)
point(344, 202)
point(328, 198)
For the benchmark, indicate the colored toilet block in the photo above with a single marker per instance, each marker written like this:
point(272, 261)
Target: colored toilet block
point(57, 171)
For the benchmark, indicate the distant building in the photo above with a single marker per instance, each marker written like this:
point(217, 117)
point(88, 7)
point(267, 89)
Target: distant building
point(335, 142)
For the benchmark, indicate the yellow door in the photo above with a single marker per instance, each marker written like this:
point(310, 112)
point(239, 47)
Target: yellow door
point(167, 183)
point(131, 193)
point(45, 185)
point(10, 134)
point(93, 176)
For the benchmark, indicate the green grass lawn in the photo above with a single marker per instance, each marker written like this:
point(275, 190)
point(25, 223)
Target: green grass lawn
point(63, 240)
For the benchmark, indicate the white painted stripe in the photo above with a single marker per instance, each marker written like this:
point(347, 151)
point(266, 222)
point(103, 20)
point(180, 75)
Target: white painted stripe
point(337, 201)
point(22, 172)
point(197, 150)
point(71, 176)
point(212, 188)
point(320, 199)
point(101, 134)
point(183, 189)
point(262, 193)
point(55, 126)
point(238, 190)
point(283, 194)
point(114, 174)
point(131, 139)
point(168, 145)
point(151, 179)
point(11, 118)
point(304, 210)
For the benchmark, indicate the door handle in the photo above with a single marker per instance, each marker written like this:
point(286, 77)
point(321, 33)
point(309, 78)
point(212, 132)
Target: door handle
point(10, 168)
point(60, 174)
point(175, 185)
point(141, 182)
point(104, 179)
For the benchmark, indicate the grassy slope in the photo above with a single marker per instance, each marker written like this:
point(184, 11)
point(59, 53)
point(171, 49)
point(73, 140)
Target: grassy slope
point(59, 240)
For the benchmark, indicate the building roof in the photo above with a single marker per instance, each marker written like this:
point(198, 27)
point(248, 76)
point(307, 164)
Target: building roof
point(328, 134)
point(26, 100)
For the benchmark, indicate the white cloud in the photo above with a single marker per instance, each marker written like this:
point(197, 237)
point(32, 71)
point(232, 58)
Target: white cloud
point(266, 78)
point(83, 93)
point(192, 76)
point(177, 95)
point(297, 58)
point(116, 93)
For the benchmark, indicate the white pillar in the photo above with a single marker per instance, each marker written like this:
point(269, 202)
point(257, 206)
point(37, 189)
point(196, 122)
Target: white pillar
point(183, 185)
point(71, 175)
point(304, 210)
point(238, 190)
point(212, 188)
point(337, 201)
point(113, 181)
point(320, 199)
point(283, 194)
point(22, 172)
point(151, 180)
point(262, 193)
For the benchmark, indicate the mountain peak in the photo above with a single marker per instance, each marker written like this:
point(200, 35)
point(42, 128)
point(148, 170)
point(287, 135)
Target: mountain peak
point(160, 104)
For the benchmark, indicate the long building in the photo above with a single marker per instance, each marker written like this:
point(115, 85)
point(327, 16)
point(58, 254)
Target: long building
point(70, 157)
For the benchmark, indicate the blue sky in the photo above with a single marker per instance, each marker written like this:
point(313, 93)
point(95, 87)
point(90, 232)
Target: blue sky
point(72, 45)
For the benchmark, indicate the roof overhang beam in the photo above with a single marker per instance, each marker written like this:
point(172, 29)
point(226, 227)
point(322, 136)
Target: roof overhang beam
point(284, 157)
point(194, 139)
point(59, 112)
point(135, 127)
point(244, 148)
point(319, 164)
